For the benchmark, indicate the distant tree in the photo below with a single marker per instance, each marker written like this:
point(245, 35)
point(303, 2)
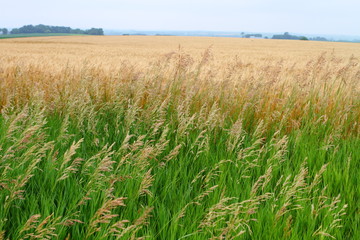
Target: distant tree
point(41, 28)
point(257, 35)
point(318, 39)
point(60, 29)
point(95, 31)
point(28, 29)
point(286, 35)
point(4, 31)
point(15, 31)
point(77, 31)
point(303, 38)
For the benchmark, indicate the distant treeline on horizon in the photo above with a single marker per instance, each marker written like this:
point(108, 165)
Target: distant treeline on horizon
point(46, 29)
point(55, 29)
point(286, 35)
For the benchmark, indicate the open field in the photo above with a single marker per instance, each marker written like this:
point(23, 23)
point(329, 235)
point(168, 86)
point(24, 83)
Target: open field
point(112, 50)
point(179, 138)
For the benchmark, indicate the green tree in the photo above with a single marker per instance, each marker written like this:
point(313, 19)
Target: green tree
point(95, 31)
point(41, 28)
point(4, 31)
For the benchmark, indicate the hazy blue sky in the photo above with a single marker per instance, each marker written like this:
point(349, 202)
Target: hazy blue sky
point(301, 16)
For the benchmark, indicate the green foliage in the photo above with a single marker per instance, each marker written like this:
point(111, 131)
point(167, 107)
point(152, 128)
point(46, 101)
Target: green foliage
point(257, 35)
point(4, 31)
point(286, 35)
point(55, 29)
point(318, 39)
point(95, 31)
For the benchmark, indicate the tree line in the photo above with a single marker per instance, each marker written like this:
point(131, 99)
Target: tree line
point(286, 35)
point(256, 35)
point(52, 29)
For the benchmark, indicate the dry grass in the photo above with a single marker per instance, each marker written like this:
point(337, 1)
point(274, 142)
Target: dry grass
point(109, 51)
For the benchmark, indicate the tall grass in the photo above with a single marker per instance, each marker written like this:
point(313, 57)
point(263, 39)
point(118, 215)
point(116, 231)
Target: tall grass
point(181, 150)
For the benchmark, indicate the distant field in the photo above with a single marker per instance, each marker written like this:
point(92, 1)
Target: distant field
point(138, 137)
point(109, 50)
point(35, 35)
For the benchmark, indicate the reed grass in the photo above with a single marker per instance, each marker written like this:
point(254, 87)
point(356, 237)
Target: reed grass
point(181, 150)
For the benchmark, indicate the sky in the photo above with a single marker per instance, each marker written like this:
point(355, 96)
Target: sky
point(306, 16)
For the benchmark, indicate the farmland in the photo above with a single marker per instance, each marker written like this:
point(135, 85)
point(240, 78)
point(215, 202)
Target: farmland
point(134, 137)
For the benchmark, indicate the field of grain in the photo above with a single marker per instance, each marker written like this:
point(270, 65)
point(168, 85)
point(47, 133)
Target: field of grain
point(139, 137)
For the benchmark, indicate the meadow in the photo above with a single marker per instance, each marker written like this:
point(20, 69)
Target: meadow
point(134, 137)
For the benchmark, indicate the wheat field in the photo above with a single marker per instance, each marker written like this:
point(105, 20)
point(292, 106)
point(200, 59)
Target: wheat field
point(140, 137)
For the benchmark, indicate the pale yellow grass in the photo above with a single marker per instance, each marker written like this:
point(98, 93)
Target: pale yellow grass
point(274, 75)
point(110, 51)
